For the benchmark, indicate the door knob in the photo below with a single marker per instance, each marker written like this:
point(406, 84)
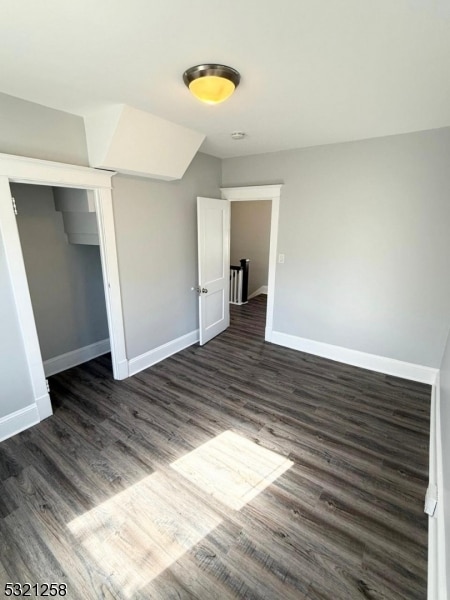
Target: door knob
point(204, 291)
point(199, 290)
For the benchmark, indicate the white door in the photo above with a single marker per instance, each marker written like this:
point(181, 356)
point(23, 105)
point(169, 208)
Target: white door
point(213, 217)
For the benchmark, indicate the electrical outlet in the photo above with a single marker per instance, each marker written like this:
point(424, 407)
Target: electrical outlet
point(281, 258)
point(430, 500)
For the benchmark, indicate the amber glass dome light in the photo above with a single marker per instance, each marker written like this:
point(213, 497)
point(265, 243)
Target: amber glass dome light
point(211, 83)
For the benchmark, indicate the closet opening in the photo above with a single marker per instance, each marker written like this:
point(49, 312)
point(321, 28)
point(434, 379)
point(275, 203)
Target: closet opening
point(27, 388)
point(59, 237)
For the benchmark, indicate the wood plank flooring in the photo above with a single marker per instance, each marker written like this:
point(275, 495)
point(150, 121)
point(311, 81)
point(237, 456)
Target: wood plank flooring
point(109, 496)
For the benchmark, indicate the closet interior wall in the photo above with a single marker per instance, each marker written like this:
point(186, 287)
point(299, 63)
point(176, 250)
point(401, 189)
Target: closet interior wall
point(64, 279)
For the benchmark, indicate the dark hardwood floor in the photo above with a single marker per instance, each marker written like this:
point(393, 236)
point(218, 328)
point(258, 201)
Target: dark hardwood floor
point(133, 489)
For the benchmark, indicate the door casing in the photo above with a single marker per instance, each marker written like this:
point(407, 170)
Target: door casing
point(263, 192)
point(15, 169)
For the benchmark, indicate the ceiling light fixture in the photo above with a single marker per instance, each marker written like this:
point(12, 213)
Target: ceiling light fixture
point(211, 83)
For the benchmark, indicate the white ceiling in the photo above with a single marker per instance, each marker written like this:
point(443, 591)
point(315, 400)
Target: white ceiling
point(313, 71)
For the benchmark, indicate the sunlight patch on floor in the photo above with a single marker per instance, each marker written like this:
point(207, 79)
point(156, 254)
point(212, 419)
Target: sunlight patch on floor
point(141, 531)
point(135, 535)
point(231, 468)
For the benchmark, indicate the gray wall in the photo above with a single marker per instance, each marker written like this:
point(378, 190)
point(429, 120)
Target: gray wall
point(250, 238)
point(156, 229)
point(65, 280)
point(15, 385)
point(445, 437)
point(364, 227)
point(28, 129)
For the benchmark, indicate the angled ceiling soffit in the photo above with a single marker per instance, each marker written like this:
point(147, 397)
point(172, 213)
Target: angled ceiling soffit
point(135, 142)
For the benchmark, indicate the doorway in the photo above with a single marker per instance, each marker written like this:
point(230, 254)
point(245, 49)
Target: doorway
point(60, 246)
point(250, 240)
point(36, 401)
point(259, 193)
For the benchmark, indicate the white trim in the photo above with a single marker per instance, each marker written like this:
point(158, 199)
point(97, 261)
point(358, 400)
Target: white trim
point(263, 192)
point(75, 357)
point(433, 554)
point(111, 281)
point(261, 290)
point(432, 576)
point(19, 286)
point(44, 406)
point(135, 365)
point(32, 171)
point(121, 371)
point(252, 192)
point(18, 421)
point(381, 364)
point(437, 576)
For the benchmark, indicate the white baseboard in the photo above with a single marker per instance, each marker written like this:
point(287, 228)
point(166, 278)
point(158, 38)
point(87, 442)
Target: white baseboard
point(75, 357)
point(261, 290)
point(381, 364)
point(437, 551)
point(158, 354)
point(18, 421)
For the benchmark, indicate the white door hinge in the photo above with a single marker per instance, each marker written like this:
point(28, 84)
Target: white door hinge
point(13, 200)
point(47, 384)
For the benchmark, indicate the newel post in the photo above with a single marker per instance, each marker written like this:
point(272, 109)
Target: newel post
point(245, 262)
